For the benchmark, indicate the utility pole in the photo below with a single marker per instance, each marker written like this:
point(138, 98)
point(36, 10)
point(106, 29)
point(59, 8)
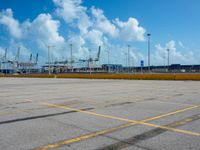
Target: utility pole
point(133, 64)
point(125, 54)
point(5, 55)
point(149, 51)
point(5, 60)
point(128, 55)
point(168, 50)
point(90, 61)
point(164, 57)
point(71, 59)
point(108, 60)
point(49, 47)
point(49, 59)
point(16, 62)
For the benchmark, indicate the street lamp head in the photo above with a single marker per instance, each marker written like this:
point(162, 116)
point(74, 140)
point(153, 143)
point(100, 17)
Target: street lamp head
point(148, 34)
point(168, 50)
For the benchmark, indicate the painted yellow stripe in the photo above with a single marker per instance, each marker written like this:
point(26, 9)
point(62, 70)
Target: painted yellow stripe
point(65, 142)
point(51, 146)
point(23, 110)
point(171, 129)
point(172, 113)
point(121, 119)
point(12, 112)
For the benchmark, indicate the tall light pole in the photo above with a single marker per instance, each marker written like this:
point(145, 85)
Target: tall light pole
point(5, 59)
point(108, 52)
point(49, 59)
point(49, 47)
point(133, 63)
point(164, 57)
point(168, 50)
point(125, 54)
point(128, 55)
point(71, 57)
point(90, 61)
point(149, 51)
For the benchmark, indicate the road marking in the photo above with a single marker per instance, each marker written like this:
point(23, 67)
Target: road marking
point(84, 137)
point(121, 119)
point(133, 140)
point(172, 113)
point(87, 136)
point(23, 110)
point(9, 113)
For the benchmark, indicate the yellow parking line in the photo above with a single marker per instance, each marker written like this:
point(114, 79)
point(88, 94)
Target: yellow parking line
point(65, 142)
point(121, 119)
point(12, 112)
point(84, 137)
point(172, 113)
point(23, 110)
point(171, 129)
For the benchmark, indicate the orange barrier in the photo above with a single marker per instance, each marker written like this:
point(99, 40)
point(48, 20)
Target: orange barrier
point(114, 76)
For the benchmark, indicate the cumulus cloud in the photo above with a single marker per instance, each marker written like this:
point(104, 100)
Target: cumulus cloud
point(44, 29)
point(130, 30)
point(89, 20)
point(40, 32)
point(69, 9)
point(73, 13)
point(13, 26)
point(176, 56)
point(87, 28)
point(102, 23)
point(94, 28)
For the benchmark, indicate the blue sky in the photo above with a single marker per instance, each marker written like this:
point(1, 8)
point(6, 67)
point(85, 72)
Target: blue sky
point(174, 24)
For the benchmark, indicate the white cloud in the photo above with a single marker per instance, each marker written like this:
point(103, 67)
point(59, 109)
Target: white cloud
point(176, 57)
point(130, 30)
point(45, 30)
point(69, 9)
point(6, 18)
point(95, 37)
point(73, 13)
point(88, 20)
point(40, 32)
point(78, 45)
point(94, 29)
point(102, 23)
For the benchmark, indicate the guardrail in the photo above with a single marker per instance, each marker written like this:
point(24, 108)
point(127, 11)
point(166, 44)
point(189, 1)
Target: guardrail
point(195, 77)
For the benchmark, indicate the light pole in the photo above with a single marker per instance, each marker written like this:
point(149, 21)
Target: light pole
point(49, 47)
point(132, 64)
point(108, 52)
point(90, 61)
point(71, 57)
point(149, 51)
point(164, 57)
point(125, 54)
point(5, 60)
point(128, 55)
point(168, 50)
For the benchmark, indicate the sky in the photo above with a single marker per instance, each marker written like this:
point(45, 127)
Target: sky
point(33, 25)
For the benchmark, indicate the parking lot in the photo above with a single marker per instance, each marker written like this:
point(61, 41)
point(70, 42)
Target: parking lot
point(86, 114)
